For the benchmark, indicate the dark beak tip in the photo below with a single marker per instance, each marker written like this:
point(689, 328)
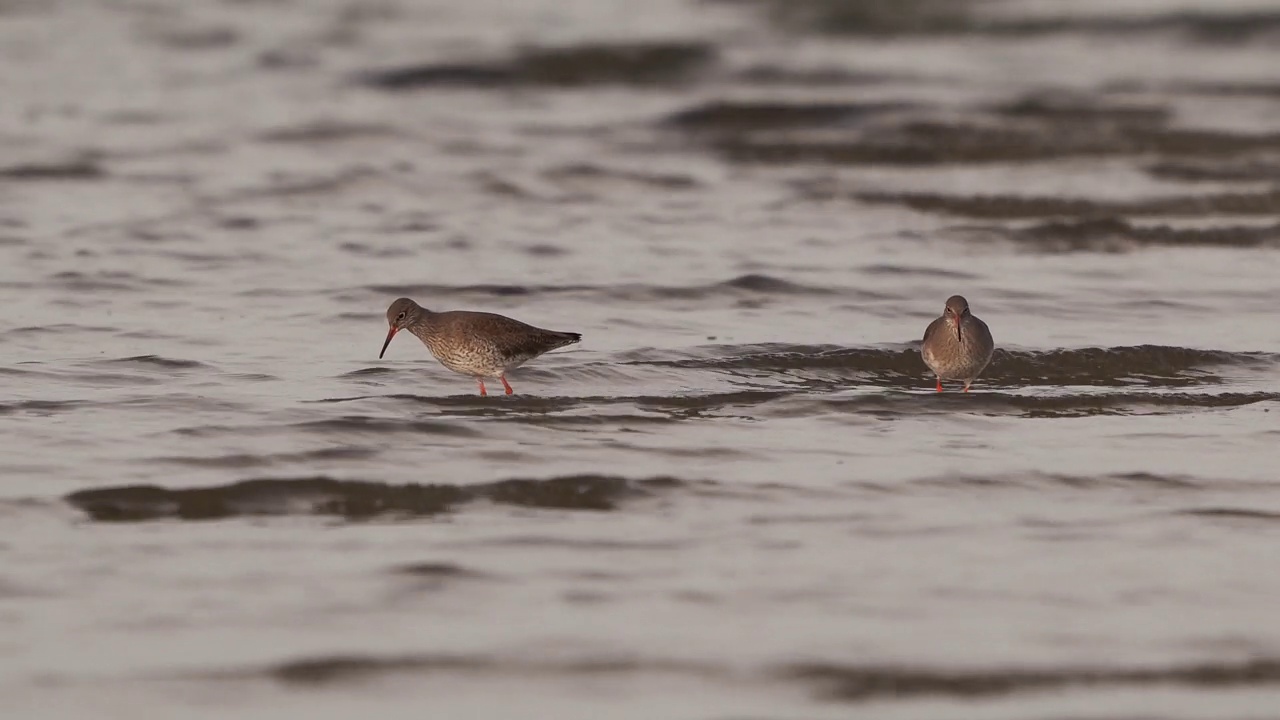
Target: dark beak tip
point(390, 334)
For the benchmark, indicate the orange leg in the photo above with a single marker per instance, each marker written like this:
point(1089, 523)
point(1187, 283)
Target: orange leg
point(503, 378)
point(481, 381)
point(939, 384)
point(966, 387)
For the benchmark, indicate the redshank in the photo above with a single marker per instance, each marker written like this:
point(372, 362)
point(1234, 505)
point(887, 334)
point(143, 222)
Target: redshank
point(478, 344)
point(957, 346)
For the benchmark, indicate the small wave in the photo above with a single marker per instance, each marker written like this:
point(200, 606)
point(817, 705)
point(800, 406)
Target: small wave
point(155, 361)
point(440, 571)
point(1013, 207)
point(932, 142)
point(736, 117)
point(350, 424)
point(1143, 364)
point(333, 669)
point(352, 499)
point(1217, 170)
point(243, 460)
point(966, 18)
point(108, 280)
point(1117, 235)
point(851, 683)
point(1222, 513)
point(73, 169)
point(592, 64)
point(364, 372)
point(903, 404)
point(42, 407)
point(593, 175)
point(752, 284)
point(326, 131)
point(1036, 481)
point(62, 328)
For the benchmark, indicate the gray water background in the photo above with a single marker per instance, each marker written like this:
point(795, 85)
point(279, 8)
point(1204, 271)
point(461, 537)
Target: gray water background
point(739, 497)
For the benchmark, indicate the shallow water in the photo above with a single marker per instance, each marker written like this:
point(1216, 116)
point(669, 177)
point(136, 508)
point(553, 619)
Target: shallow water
point(739, 497)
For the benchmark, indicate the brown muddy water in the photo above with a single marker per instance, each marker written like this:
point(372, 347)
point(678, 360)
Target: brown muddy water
point(739, 498)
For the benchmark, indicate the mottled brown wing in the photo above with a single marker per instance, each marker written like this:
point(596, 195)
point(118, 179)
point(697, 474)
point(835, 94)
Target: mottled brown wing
point(515, 339)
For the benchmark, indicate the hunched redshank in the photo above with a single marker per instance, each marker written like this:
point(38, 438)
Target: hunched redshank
point(957, 346)
point(478, 344)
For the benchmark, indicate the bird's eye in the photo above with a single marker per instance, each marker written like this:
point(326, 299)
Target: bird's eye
point(400, 316)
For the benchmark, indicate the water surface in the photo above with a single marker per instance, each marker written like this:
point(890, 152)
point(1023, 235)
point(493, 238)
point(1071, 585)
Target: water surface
point(739, 497)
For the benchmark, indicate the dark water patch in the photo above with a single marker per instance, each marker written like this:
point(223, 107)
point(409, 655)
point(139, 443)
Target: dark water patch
point(364, 372)
point(327, 131)
point(1223, 88)
point(574, 492)
point(866, 17)
point(155, 362)
point(592, 173)
point(554, 412)
point(1011, 207)
point(545, 250)
point(749, 285)
point(592, 64)
point(253, 377)
point(729, 117)
point(341, 428)
point(109, 280)
point(767, 284)
point(852, 683)
point(380, 250)
point(824, 76)
point(198, 38)
point(383, 426)
point(345, 669)
point(1039, 127)
point(83, 282)
point(42, 407)
point(525, 542)
point(1076, 110)
point(440, 571)
point(1222, 513)
point(934, 142)
point(982, 401)
point(473, 401)
point(61, 328)
point(354, 500)
point(689, 406)
point(292, 496)
point(1039, 481)
point(74, 169)
point(353, 668)
point(1118, 235)
point(879, 19)
point(483, 290)
point(1247, 169)
point(889, 269)
point(1151, 365)
point(246, 460)
point(83, 379)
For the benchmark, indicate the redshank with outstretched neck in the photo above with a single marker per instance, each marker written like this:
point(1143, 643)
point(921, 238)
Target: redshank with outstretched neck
point(478, 344)
point(957, 346)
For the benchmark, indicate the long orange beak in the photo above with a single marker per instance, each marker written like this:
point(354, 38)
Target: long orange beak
point(390, 334)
